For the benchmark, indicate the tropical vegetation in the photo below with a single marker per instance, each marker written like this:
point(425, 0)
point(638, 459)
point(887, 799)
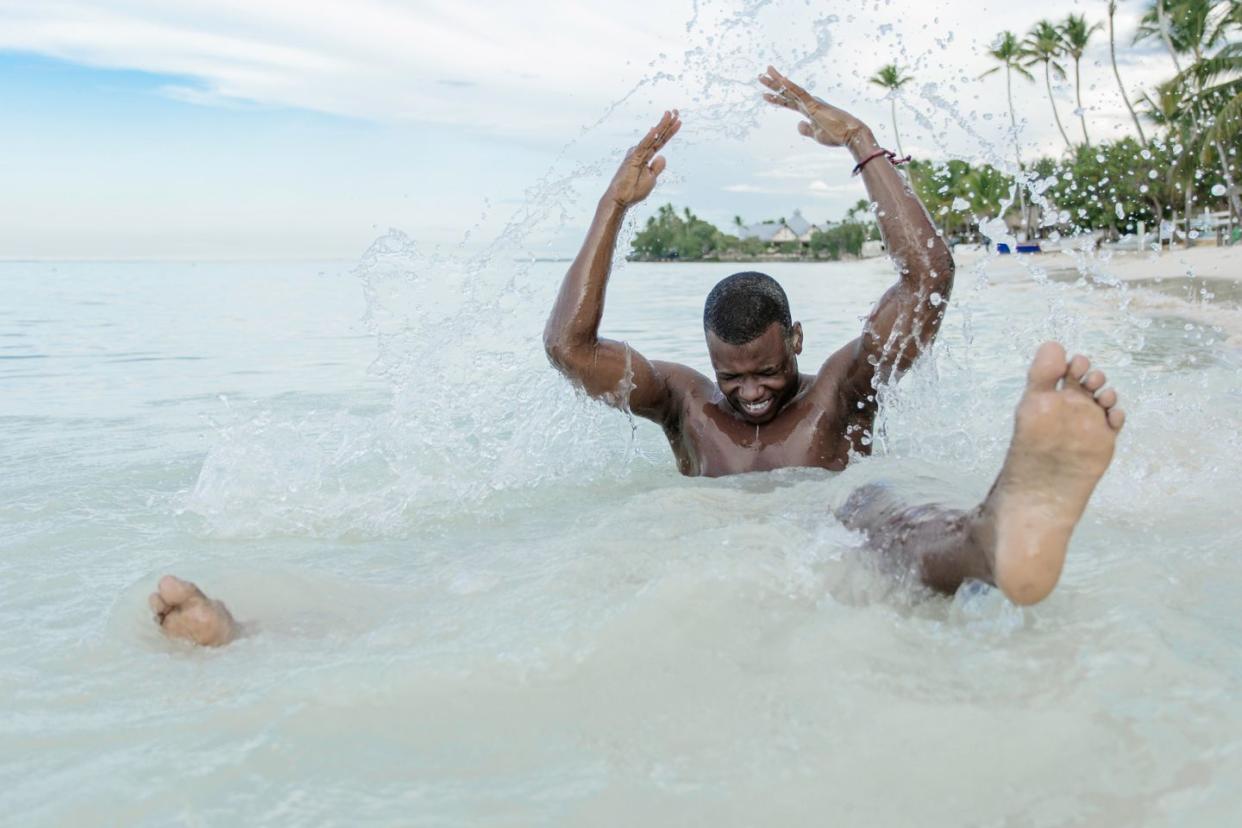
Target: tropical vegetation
point(1182, 158)
point(670, 235)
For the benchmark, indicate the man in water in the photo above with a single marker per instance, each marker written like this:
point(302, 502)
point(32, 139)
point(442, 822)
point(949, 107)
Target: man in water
point(762, 413)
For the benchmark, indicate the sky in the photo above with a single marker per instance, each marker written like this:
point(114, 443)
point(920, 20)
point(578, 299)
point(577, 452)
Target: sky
point(275, 129)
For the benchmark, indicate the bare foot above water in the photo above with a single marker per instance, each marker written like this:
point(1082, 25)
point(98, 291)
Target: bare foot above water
point(183, 611)
point(1064, 433)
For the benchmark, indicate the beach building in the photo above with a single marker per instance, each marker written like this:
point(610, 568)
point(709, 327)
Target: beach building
point(794, 229)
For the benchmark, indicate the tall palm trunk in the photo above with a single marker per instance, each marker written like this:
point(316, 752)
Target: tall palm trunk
point(1234, 202)
point(896, 135)
point(1017, 154)
point(1053, 101)
point(1189, 192)
point(1164, 35)
point(1112, 53)
point(1082, 115)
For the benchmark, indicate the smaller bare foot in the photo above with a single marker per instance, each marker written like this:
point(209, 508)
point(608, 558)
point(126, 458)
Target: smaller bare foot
point(1064, 431)
point(183, 611)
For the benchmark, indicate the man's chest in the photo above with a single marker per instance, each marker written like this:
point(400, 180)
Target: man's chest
point(714, 443)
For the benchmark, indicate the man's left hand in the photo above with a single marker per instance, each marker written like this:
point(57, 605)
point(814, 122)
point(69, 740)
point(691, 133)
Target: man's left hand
point(824, 122)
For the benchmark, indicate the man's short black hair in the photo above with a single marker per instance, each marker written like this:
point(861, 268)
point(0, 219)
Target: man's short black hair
point(742, 306)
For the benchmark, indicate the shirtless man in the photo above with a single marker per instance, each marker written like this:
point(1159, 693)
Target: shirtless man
point(762, 413)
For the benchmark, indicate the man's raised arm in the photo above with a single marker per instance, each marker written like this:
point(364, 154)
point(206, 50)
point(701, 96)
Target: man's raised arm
point(607, 369)
point(906, 319)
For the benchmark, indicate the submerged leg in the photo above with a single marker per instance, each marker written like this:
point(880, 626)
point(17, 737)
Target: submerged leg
point(1065, 428)
point(183, 611)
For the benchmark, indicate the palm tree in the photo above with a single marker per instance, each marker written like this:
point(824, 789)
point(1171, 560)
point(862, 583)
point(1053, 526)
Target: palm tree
point(1172, 108)
point(1156, 24)
point(1010, 54)
point(1193, 28)
point(892, 78)
point(1043, 45)
point(860, 207)
point(1187, 27)
point(1075, 34)
point(1226, 94)
point(1225, 97)
point(1112, 54)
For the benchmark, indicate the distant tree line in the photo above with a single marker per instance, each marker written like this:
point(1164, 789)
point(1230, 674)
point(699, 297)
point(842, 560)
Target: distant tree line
point(672, 235)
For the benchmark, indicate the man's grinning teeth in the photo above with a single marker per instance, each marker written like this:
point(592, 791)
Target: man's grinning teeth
point(755, 408)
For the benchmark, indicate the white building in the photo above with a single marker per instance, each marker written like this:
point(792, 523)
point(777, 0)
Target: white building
point(795, 229)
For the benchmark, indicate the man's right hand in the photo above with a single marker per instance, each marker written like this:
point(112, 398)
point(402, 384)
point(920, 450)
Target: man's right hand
point(636, 178)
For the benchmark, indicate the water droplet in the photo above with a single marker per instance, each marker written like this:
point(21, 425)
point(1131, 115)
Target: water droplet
point(1121, 213)
point(1153, 175)
point(1218, 190)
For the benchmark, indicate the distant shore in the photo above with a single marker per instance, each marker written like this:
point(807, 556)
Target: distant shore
point(775, 257)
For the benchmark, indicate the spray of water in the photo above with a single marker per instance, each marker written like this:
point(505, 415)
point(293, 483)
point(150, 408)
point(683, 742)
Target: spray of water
point(472, 408)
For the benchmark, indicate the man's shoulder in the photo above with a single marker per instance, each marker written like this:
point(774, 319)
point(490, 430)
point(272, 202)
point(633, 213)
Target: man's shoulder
point(681, 378)
point(834, 382)
point(685, 386)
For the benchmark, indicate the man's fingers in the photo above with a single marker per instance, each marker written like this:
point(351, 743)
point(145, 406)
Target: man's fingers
point(650, 138)
point(781, 101)
point(669, 131)
point(776, 81)
point(657, 165)
point(658, 136)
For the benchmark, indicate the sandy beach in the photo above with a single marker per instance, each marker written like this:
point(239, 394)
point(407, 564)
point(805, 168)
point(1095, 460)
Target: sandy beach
point(1202, 262)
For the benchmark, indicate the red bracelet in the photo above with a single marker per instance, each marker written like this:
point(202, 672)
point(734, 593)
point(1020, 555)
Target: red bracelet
point(892, 156)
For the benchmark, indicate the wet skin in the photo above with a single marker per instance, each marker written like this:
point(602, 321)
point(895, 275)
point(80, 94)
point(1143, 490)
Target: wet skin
point(759, 412)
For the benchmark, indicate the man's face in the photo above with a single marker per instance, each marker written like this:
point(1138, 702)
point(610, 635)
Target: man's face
point(759, 377)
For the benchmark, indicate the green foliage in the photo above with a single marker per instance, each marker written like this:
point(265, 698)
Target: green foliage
point(669, 235)
point(845, 238)
point(959, 196)
point(1107, 186)
point(891, 76)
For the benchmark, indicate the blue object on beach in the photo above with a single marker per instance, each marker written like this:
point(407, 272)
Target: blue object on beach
point(1028, 247)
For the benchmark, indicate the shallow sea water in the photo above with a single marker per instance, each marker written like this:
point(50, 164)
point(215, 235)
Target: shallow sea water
point(478, 599)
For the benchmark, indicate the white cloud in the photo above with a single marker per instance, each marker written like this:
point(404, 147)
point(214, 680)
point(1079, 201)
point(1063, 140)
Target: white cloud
point(364, 58)
point(570, 81)
point(554, 64)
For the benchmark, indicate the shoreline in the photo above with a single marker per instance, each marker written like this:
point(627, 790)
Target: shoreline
point(1205, 262)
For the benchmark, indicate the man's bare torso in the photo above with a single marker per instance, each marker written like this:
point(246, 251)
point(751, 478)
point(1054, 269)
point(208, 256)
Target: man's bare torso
point(819, 427)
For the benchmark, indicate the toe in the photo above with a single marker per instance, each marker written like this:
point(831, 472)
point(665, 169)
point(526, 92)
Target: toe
point(1047, 367)
point(1078, 367)
point(1107, 398)
point(175, 591)
point(1094, 381)
point(1116, 418)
